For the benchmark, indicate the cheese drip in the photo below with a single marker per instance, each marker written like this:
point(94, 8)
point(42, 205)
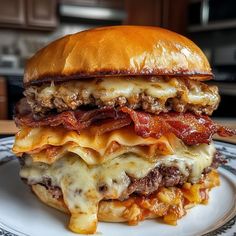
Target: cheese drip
point(80, 183)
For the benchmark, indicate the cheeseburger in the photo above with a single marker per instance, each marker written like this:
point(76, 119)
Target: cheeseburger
point(115, 126)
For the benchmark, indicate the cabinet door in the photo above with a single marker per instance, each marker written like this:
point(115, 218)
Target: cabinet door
point(41, 13)
point(175, 15)
point(170, 14)
point(141, 12)
point(12, 12)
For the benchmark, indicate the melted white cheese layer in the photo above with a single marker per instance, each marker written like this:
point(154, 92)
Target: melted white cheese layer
point(80, 183)
point(195, 93)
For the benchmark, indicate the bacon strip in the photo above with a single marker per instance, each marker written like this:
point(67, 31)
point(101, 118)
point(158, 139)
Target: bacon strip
point(191, 129)
point(78, 120)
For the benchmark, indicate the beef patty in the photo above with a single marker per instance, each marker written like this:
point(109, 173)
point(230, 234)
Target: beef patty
point(152, 95)
point(161, 176)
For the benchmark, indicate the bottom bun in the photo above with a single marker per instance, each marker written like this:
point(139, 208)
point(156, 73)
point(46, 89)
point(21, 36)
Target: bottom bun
point(169, 203)
point(46, 197)
point(108, 211)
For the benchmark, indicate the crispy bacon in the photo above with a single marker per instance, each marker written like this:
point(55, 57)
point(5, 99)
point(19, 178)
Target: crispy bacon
point(78, 120)
point(191, 129)
point(102, 120)
point(110, 125)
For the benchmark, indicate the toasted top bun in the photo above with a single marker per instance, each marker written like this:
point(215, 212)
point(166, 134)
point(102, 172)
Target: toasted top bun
point(118, 51)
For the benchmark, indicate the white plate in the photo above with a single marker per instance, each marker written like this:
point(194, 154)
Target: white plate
point(22, 214)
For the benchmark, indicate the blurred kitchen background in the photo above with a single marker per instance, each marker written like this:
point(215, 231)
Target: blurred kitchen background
point(28, 25)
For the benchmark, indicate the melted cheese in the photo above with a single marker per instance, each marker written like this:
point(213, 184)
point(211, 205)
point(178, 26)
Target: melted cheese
point(110, 88)
point(80, 167)
point(80, 183)
point(93, 149)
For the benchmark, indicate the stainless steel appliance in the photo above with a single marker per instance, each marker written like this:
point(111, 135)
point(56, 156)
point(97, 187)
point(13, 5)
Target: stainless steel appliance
point(211, 15)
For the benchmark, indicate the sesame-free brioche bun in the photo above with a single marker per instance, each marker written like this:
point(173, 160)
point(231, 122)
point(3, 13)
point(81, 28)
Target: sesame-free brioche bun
point(108, 211)
point(118, 51)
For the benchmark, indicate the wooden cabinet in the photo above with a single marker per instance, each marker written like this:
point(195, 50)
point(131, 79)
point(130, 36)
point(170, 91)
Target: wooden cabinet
point(3, 99)
point(170, 14)
point(28, 14)
point(12, 12)
point(141, 12)
point(175, 15)
point(41, 13)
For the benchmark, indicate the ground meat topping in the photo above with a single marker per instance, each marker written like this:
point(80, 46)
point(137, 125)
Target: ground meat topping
point(154, 95)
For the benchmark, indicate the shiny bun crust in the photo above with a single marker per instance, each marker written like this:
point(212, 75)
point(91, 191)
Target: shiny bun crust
point(108, 211)
point(118, 51)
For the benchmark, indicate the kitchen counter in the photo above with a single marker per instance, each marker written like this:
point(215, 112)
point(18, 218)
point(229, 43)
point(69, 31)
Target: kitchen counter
point(8, 127)
point(231, 123)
